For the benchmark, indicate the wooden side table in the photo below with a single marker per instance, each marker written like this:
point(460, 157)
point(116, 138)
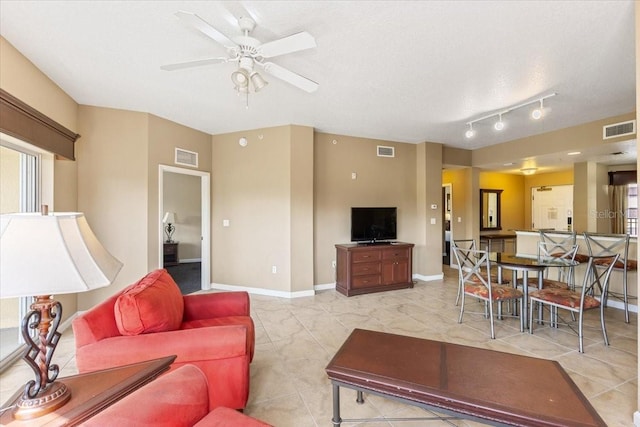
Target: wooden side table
point(92, 392)
point(170, 252)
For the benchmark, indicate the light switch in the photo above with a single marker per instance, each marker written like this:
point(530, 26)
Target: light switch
point(225, 222)
point(459, 219)
point(354, 175)
point(433, 221)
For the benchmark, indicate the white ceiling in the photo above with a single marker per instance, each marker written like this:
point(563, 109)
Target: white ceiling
point(410, 71)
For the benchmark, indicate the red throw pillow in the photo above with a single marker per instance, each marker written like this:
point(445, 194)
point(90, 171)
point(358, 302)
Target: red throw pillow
point(153, 304)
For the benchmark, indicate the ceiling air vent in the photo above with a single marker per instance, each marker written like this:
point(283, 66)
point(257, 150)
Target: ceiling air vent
point(186, 158)
point(386, 151)
point(619, 129)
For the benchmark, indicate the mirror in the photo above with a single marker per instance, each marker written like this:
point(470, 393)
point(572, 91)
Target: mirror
point(490, 209)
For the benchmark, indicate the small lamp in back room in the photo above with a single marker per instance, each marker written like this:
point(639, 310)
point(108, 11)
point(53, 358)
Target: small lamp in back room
point(168, 221)
point(40, 255)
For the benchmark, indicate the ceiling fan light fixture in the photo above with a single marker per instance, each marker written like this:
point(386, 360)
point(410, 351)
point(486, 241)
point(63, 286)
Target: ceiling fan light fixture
point(258, 81)
point(240, 78)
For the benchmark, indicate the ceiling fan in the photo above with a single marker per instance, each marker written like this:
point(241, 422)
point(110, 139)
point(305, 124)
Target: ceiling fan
point(250, 54)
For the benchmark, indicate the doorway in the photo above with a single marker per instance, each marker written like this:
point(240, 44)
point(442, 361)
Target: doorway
point(191, 210)
point(552, 207)
point(446, 224)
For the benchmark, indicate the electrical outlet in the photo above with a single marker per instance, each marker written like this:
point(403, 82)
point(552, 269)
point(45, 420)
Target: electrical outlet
point(333, 264)
point(274, 269)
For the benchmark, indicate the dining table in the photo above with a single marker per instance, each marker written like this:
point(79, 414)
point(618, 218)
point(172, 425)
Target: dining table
point(525, 264)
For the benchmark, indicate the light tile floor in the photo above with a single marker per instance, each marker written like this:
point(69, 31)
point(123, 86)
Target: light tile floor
point(295, 339)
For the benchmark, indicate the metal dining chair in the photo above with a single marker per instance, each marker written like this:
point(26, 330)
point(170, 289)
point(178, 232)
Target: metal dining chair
point(607, 245)
point(475, 279)
point(578, 302)
point(565, 277)
point(462, 244)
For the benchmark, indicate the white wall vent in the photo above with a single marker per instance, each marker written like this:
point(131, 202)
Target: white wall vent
point(386, 151)
point(186, 158)
point(619, 129)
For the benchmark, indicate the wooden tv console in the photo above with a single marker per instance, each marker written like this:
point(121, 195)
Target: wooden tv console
point(365, 268)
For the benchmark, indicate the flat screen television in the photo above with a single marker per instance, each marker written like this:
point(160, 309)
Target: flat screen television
point(373, 224)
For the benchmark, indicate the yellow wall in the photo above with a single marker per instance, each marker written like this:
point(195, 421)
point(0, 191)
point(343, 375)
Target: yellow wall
point(511, 200)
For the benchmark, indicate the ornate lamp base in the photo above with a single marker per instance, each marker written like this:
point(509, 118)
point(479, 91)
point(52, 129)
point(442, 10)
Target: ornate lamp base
point(48, 400)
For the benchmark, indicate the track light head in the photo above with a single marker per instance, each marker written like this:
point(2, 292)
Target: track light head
point(499, 125)
point(470, 133)
point(536, 114)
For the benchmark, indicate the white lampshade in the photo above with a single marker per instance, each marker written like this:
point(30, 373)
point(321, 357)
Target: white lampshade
point(169, 218)
point(51, 254)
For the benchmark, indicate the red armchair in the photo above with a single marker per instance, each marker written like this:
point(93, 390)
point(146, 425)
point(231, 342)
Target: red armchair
point(152, 319)
point(177, 399)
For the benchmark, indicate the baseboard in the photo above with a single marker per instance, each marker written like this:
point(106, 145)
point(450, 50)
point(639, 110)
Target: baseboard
point(324, 287)
point(428, 278)
point(262, 291)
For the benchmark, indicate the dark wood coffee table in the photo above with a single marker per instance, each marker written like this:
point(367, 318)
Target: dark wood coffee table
point(488, 386)
point(92, 392)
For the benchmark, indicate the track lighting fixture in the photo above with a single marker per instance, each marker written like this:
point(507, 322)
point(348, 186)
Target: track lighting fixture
point(470, 132)
point(536, 114)
point(499, 125)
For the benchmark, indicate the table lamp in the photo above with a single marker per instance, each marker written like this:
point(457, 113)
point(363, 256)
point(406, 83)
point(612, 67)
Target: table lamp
point(169, 219)
point(40, 255)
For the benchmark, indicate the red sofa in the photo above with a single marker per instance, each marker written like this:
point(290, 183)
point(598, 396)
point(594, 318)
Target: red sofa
point(177, 399)
point(152, 319)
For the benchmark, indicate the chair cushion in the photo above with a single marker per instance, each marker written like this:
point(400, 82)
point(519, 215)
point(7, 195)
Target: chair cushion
point(632, 264)
point(565, 297)
point(581, 258)
point(153, 304)
point(498, 292)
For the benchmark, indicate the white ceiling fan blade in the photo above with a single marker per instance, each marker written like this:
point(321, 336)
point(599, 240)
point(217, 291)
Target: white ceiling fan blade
point(293, 43)
point(203, 26)
point(290, 77)
point(190, 64)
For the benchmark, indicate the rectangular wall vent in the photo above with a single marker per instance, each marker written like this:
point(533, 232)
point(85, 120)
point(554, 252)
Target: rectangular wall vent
point(186, 158)
point(619, 129)
point(386, 151)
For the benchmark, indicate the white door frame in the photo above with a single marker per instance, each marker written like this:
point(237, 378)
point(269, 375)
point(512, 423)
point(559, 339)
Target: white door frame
point(205, 227)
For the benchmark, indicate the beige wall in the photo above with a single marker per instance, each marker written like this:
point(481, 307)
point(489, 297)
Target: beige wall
point(427, 255)
point(255, 188)
point(181, 195)
point(164, 137)
point(379, 181)
point(461, 203)
point(25, 81)
point(302, 221)
point(113, 189)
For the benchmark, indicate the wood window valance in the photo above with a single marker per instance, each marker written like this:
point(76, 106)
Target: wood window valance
point(623, 178)
point(26, 123)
